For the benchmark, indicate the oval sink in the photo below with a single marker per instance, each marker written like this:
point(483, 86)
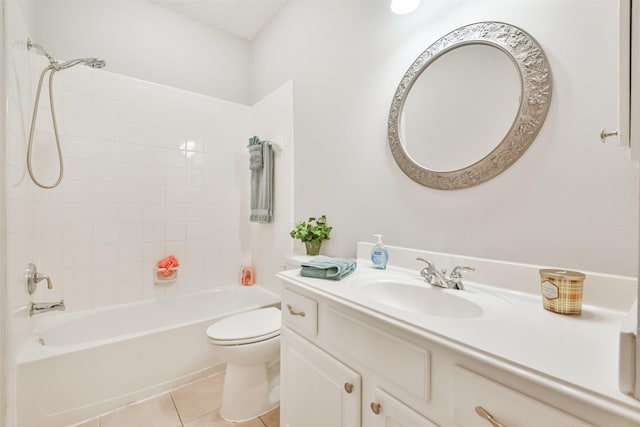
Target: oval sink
point(420, 297)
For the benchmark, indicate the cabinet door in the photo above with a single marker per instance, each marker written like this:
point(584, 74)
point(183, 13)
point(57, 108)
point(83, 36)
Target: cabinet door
point(316, 390)
point(390, 412)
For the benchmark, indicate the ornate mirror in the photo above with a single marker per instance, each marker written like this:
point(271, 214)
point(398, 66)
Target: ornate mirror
point(469, 106)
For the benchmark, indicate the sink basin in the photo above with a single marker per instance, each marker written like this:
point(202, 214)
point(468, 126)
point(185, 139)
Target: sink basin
point(415, 296)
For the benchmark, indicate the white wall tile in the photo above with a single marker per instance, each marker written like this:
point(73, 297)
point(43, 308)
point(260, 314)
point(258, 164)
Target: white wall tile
point(130, 253)
point(77, 234)
point(176, 158)
point(78, 103)
point(105, 255)
point(130, 233)
point(78, 79)
point(105, 234)
point(106, 108)
point(154, 232)
point(77, 257)
point(176, 231)
point(133, 192)
point(176, 212)
point(78, 148)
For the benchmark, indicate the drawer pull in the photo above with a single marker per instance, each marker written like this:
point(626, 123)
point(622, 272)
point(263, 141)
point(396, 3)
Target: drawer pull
point(295, 313)
point(348, 387)
point(375, 407)
point(487, 416)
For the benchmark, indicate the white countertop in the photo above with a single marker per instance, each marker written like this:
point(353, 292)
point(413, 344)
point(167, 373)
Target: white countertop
point(576, 353)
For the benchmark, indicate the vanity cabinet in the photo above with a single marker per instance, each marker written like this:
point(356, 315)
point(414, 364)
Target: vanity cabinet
point(316, 389)
point(319, 389)
point(343, 365)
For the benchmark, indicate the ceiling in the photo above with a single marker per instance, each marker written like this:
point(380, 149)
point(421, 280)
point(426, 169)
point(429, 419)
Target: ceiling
point(243, 18)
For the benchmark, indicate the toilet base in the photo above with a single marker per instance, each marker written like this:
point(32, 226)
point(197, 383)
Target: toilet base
point(247, 393)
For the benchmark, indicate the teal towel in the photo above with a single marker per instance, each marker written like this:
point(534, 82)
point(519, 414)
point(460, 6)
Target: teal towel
point(324, 267)
point(255, 157)
point(262, 186)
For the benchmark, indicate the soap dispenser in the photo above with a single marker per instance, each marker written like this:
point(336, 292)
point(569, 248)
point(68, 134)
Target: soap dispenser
point(379, 254)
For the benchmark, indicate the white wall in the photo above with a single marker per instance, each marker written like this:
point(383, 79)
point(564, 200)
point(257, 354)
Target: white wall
point(273, 120)
point(569, 202)
point(140, 39)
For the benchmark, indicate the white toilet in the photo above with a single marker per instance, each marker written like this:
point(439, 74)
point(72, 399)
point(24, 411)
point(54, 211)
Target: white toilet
point(247, 342)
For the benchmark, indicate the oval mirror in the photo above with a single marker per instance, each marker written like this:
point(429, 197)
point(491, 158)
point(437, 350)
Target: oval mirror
point(469, 106)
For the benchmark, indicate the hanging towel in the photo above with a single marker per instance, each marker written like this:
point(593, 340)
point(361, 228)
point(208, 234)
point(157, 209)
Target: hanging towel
point(255, 153)
point(262, 186)
point(255, 157)
point(324, 267)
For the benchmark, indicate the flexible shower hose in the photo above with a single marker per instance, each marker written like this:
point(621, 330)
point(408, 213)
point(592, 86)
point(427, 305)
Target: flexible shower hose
point(55, 129)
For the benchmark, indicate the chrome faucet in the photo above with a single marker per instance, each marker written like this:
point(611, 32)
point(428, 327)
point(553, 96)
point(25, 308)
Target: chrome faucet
point(43, 307)
point(439, 278)
point(32, 277)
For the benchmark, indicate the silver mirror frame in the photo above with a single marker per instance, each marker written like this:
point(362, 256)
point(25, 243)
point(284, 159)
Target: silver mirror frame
point(535, 98)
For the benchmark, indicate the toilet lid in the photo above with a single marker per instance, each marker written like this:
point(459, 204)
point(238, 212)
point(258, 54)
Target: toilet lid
point(247, 327)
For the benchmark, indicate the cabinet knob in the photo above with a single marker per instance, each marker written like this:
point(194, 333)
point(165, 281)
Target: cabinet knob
point(295, 313)
point(375, 407)
point(348, 387)
point(487, 416)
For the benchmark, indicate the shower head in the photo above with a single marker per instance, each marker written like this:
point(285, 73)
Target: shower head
point(89, 62)
point(55, 64)
point(32, 45)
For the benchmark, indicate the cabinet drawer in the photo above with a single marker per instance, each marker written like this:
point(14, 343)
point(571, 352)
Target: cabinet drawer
point(507, 406)
point(299, 312)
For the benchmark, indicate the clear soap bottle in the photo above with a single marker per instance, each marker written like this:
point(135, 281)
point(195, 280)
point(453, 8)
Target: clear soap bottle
point(379, 254)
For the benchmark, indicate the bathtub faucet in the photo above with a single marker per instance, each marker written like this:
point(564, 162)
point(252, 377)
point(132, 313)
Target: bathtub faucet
point(43, 307)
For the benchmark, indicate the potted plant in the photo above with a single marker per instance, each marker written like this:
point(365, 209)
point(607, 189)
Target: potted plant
point(312, 233)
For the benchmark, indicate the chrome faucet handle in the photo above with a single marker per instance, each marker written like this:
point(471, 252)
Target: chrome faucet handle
point(430, 265)
point(457, 271)
point(32, 277)
point(431, 274)
point(38, 277)
point(455, 278)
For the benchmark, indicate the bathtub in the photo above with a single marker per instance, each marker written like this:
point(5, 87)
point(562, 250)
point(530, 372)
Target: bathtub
point(79, 365)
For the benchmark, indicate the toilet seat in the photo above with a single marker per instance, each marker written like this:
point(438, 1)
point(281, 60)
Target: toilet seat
point(246, 328)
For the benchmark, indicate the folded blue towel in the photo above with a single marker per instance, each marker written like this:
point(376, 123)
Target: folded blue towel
point(255, 157)
point(324, 267)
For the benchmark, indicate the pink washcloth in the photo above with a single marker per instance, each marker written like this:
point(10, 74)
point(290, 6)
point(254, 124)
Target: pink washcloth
point(167, 263)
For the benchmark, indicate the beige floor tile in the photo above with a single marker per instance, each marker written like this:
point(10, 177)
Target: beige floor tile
point(156, 412)
point(91, 423)
point(199, 398)
point(213, 419)
point(272, 419)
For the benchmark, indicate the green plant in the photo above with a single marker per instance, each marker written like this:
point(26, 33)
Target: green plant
point(314, 229)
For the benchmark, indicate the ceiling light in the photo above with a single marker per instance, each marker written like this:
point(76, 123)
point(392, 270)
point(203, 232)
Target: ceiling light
point(402, 7)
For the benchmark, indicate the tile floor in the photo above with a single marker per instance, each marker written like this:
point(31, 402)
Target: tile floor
point(193, 405)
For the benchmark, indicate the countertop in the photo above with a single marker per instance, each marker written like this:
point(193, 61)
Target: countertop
point(578, 353)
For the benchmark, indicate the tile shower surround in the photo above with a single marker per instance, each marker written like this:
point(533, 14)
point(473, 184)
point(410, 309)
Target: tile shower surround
point(149, 171)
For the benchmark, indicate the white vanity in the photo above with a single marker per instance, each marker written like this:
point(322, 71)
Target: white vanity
point(383, 348)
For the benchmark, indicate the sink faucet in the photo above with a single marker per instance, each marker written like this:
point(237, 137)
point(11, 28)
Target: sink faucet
point(439, 278)
point(43, 307)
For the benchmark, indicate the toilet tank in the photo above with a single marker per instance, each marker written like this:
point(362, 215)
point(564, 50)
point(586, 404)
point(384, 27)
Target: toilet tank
point(294, 262)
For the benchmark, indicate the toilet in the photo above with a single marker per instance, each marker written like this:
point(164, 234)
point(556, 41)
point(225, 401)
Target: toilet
point(248, 342)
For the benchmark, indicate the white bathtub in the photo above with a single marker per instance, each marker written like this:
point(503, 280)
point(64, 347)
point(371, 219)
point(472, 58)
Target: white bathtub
point(79, 365)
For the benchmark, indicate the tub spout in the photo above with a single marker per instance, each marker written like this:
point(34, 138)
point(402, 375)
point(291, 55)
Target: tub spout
point(43, 307)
